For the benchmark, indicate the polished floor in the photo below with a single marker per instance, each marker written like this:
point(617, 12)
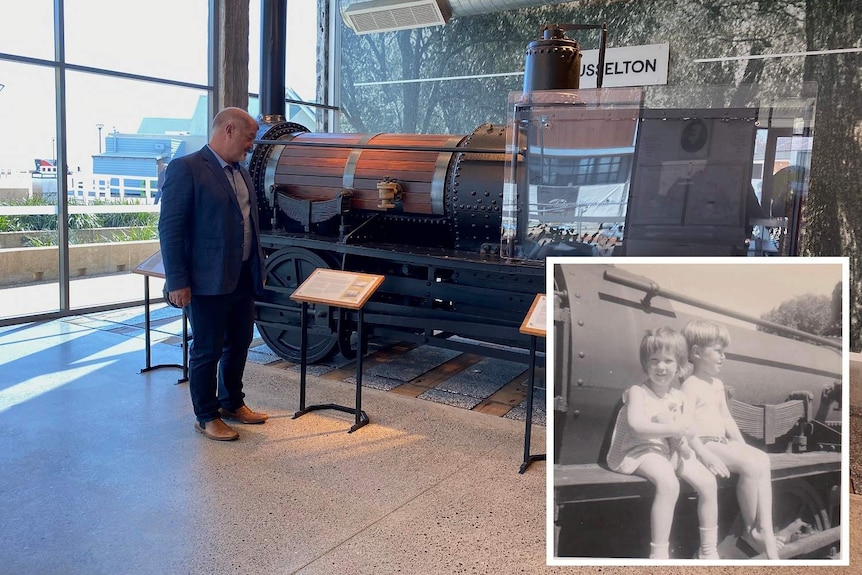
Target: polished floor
point(101, 470)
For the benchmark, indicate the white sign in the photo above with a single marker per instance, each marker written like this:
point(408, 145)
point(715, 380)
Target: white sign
point(628, 66)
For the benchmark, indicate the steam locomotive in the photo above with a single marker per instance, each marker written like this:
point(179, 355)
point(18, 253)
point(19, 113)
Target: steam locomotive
point(425, 211)
point(426, 215)
point(460, 225)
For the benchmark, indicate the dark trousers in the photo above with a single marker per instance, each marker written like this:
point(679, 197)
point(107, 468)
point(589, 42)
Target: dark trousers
point(222, 329)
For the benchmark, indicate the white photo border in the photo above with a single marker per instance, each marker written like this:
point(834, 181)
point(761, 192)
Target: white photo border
point(810, 263)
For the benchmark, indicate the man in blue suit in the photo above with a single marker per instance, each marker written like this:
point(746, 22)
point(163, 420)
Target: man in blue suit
point(210, 242)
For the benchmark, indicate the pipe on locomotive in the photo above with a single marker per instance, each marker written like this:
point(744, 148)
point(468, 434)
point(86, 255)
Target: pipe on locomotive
point(652, 290)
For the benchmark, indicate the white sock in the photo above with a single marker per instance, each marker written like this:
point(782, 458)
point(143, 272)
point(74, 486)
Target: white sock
point(659, 551)
point(708, 543)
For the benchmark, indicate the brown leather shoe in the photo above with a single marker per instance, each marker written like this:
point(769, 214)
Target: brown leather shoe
point(243, 415)
point(217, 430)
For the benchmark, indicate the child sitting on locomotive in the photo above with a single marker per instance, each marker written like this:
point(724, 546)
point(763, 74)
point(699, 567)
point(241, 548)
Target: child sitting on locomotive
point(719, 443)
point(649, 440)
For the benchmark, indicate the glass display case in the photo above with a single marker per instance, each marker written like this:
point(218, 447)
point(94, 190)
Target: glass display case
point(569, 161)
point(697, 170)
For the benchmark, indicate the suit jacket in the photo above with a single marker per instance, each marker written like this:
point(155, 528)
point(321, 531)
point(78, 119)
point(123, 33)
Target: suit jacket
point(200, 227)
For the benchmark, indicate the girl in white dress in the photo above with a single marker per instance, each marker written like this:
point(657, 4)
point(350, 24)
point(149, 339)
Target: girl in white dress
point(649, 440)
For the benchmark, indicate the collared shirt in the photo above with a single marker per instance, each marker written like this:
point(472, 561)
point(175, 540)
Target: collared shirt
point(237, 182)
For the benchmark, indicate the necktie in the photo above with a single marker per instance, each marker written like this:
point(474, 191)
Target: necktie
point(242, 196)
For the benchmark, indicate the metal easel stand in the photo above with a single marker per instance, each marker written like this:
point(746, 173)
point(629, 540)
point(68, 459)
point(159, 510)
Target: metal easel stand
point(148, 345)
point(361, 416)
point(528, 459)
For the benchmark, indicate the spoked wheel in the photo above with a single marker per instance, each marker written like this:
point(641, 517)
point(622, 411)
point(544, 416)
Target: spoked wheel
point(797, 499)
point(798, 511)
point(278, 316)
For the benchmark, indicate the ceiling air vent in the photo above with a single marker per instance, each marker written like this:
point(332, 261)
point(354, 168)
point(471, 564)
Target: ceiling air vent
point(388, 15)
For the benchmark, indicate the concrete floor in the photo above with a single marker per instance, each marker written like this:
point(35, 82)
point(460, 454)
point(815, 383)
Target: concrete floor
point(102, 472)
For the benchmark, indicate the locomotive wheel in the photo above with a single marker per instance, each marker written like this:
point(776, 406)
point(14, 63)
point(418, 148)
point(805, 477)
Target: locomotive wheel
point(796, 499)
point(796, 507)
point(345, 335)
point(278, 319)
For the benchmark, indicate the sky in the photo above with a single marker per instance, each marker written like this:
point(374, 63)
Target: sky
point(160, 38)
point(752, 286)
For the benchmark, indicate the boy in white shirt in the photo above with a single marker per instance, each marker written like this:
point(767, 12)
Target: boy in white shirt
point(721, 446)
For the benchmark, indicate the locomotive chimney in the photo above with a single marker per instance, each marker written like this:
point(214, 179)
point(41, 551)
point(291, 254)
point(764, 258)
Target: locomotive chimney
point(273, 54)
point(554, 62)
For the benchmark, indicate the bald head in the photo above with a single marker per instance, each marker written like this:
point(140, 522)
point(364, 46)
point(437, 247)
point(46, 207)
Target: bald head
point(233, 134)
point(235, 116)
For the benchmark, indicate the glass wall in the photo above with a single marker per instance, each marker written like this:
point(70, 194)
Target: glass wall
point(28, 190)
point(121, 134)
point(131, 87)
point(27, 32)
point(301, 62)
point(456, 77)
point(157, 38)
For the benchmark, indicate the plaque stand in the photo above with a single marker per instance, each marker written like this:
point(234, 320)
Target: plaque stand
point(341, 289)
point(153, 267)
point(534, 325)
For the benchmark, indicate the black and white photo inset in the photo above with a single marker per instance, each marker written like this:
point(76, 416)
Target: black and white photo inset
point(696, 409)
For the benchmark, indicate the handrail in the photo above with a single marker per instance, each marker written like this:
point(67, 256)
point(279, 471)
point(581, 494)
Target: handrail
point(652, 289)
point(382, 147)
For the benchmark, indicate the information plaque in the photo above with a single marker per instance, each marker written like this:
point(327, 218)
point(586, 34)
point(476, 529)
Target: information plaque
point(153, 267)
point(534, 322)
point(337, 288)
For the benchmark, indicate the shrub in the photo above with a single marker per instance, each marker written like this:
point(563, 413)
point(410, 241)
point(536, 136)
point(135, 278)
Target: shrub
point(76, 221)
point(136, 234)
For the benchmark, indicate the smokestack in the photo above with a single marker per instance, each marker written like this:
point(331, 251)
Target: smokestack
point(273, 54)
point(552, 62)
